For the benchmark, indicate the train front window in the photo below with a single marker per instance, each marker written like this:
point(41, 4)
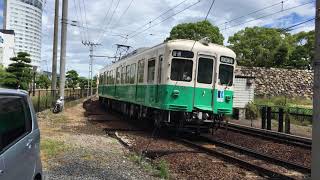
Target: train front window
point(226, 74)
point(205, 68)
point(181, 70)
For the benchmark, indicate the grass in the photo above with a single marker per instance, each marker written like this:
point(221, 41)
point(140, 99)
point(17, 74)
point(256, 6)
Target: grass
point(163, 169)
point(160, 169)
point(51, 148)
point(284, 101)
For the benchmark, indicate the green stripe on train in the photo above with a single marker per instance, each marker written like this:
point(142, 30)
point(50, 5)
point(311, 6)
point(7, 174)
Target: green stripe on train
point(171, 97)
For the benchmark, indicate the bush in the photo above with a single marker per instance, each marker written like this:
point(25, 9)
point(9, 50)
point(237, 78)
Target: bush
point(252, 111)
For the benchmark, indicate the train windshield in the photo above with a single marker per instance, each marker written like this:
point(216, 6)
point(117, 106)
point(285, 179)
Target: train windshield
point(226, 74)
point(205, 68)
point(181, 70)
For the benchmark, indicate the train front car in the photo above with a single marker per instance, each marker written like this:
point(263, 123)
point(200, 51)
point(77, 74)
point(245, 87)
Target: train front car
point(201, 77)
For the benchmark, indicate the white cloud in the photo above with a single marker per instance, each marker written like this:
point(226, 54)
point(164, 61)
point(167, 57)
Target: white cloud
point(142, 11)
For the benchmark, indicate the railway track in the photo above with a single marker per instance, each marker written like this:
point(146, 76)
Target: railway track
point(271, 135)
point(249, 158)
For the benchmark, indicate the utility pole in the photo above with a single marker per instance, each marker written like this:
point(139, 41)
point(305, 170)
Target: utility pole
point(55, 46)
point(91, 45)
point(315, 165)
point(63, 47)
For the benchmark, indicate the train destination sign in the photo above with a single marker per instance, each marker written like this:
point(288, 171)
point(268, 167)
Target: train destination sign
point(185, 54)
point(227, 60)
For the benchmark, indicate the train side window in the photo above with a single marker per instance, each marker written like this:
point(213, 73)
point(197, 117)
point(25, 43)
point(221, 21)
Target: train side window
point(105, 77)
point(133, 73)
point(140, 71)
point(181, 70)
point(160, 68)
point(111, 77)
point(151, 71)
point(128, 74)
point(123, 75)
point(118, 79)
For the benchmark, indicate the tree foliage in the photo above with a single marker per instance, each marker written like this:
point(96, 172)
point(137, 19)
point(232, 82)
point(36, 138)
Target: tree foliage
point(83, 82)
point(270, 47)
point(20, 72)
point(72, 79)
point(43, 81)
point(196, 31)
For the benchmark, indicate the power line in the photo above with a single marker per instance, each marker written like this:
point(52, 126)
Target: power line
point(298, 24)
point(105, 18)
point(106, 27)
point(253, 12)
point(261, 17)
point(205, 20)
point(163, 13)
point(77, 17)
point(81, 21)
point(209, 10)
point(85, 18)
point(124, 12)
point(188, 7)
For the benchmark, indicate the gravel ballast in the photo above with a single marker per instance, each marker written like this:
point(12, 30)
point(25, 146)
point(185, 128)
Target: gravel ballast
point(88, 153)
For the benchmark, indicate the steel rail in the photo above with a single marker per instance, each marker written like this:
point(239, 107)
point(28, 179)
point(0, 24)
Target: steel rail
point(298, 167)
point(242, 163)
point(267, 134)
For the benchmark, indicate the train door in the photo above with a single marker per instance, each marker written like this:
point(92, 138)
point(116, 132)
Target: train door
point(158, 90)
point(203, 92)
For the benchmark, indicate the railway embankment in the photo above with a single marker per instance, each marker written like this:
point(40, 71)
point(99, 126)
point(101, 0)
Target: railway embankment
point(74, 148)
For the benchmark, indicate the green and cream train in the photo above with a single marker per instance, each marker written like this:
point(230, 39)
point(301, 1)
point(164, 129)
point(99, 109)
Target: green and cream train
point(177, 82)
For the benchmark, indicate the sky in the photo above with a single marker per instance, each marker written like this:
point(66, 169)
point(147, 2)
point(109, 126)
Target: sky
point(109, 22)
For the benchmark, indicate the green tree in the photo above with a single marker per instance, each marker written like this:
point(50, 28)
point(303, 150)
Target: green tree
point(21, 73)
point(83, 82)
point(259, 46)
point(281, 56)
point(43, 81)
point(94, 82)
point(72, 79)
point(5, 77)
point(303, 50)
point(196, 31)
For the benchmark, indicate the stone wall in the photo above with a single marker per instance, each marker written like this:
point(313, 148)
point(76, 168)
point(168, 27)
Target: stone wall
point(279, 82)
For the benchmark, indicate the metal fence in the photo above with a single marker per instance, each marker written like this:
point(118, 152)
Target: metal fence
point(284, 116)
point(45, 98)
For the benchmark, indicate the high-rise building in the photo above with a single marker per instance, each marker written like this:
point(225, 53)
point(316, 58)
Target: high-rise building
point(25, 18)
point(6, 47)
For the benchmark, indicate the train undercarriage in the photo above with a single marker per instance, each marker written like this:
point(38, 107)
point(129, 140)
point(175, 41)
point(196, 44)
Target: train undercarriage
point(196, 121)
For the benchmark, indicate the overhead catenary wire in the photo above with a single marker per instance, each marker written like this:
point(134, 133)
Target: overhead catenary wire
point(123, 13)
point(212, 3)
point(105, 18)
point(161, 14)
point(79, 21)
point(110, 20)
point(268, 15)
point(253, 12)
point(186, 8)
point(298, 24)
point(85, 18)
point(82, 21)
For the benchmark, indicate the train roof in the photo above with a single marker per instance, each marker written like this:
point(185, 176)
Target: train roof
point(180, 44)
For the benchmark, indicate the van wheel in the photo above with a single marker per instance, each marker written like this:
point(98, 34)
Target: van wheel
point(38, 177)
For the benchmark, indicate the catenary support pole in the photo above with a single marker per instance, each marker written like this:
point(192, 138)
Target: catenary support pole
point(315, 165)
point(63, 47)
point(91, 68)
point(55, 46)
